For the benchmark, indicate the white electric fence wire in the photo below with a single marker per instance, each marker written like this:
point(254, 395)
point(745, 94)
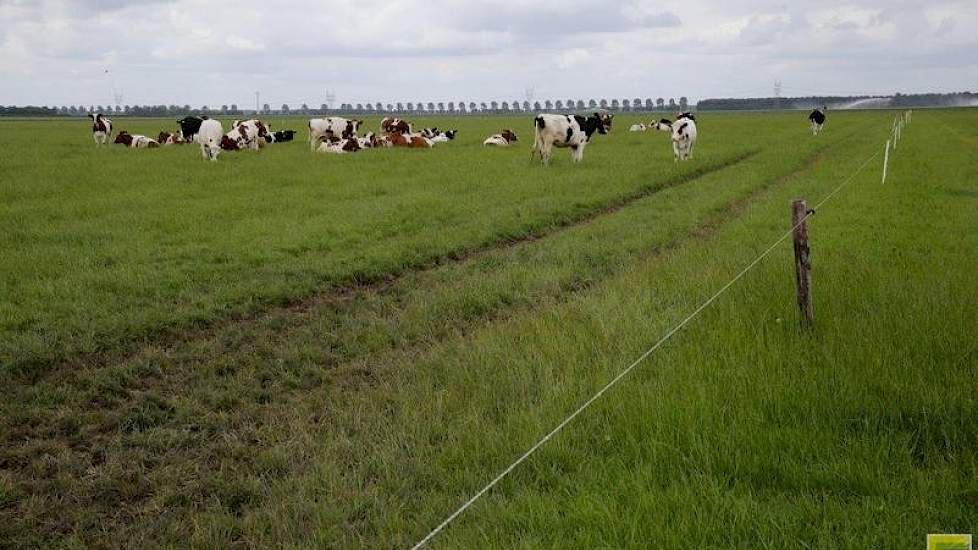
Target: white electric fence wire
point(635, 363)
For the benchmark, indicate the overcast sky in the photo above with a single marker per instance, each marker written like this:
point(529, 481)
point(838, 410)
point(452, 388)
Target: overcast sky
point(206, 52)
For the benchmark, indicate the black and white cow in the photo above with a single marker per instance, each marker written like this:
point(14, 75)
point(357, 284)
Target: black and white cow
point(572, 131)
point(447, 135)
point(817, 119)
point(280, 136)
point(189, 126)
point(101, 128)
point(684, 136)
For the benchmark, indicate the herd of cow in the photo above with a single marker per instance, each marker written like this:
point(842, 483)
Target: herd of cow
point(340, 135)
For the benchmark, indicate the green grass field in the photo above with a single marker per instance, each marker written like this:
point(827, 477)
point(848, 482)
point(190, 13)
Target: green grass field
point(294, 349)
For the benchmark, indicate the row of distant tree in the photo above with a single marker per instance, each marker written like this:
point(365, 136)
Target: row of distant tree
point(955, 99)
point(450, 107)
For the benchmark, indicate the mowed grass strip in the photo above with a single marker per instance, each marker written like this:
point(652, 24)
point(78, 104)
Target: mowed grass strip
point(202, 434)
point(106, 247)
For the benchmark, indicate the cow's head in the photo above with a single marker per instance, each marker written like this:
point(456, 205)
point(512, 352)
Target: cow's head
point(606, 120)
point(509, 135)
point(163, 137)
point(124, 138)
point(450, 134)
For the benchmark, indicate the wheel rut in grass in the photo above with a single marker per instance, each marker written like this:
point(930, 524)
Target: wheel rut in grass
point(216, 397)
point(36, 368)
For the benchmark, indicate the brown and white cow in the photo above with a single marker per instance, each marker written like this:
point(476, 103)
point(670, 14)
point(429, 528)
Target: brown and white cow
point(167, 138)
point(245, 135)
point(502, 139)
point(135, 141)
point(333, 144)
point(331, 127)
point(413, 141)
point(392, 125)
point(101, 128)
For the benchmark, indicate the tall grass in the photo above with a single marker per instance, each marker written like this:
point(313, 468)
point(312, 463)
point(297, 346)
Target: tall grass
point(364, 418)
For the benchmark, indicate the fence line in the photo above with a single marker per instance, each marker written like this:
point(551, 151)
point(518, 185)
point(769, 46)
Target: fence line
point(434, 532)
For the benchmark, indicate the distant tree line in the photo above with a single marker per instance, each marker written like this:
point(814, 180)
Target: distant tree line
point(956, 99)
point(405, 107)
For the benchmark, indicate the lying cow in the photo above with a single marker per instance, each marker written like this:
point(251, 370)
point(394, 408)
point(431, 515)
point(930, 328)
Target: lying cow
point(167, 138)
point(391, 125)
point(101, 128)
point(662, 125)
point(189, 126)
point(280, 136)
point(441, 137)
point(683, 137)
point(249, 134)
point(331, 127)
point(502, 139)
point(637, 127)
point(209, 135)
point(135, 141)
point(572, 131)
point(817, 119)
point(413, 141)
point(333, 144)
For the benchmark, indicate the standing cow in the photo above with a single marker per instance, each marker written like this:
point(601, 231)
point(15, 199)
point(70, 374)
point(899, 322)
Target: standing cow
point(817, 119)
point(683, 136)
point(101, 128)
point(572, 131)
point(189, 126)
point(209, 135)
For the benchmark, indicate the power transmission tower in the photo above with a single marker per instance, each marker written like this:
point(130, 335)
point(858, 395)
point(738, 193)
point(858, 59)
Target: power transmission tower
point(777, 94)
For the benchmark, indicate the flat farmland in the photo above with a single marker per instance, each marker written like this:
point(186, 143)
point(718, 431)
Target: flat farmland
point(286, 348)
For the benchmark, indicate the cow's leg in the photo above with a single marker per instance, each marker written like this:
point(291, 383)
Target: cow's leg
point(577, 152)
point(675, 151)
point(691, 143)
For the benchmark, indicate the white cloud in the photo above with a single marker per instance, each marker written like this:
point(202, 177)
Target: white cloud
point(198, 51)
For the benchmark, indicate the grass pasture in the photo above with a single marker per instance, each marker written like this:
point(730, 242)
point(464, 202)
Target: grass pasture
point(291, 349)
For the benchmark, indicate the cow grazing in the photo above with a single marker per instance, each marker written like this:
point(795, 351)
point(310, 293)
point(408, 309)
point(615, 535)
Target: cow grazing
point(167, 138)
point(817, 119)
point(209, 135)
point(502, 139)
point(683, 137)
point(189, 126)
point(331, 126)
point(637, 127)
point(135, 141)
point(333, 144)
point(101, 128)
point(281, 136)
point(572, 131)
point(391, 125)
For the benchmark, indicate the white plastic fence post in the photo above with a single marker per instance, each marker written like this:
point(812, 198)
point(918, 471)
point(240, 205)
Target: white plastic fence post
point(886, 160)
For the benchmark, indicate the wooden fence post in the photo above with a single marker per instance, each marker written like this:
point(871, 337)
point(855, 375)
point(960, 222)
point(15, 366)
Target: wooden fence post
point(803, 262)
